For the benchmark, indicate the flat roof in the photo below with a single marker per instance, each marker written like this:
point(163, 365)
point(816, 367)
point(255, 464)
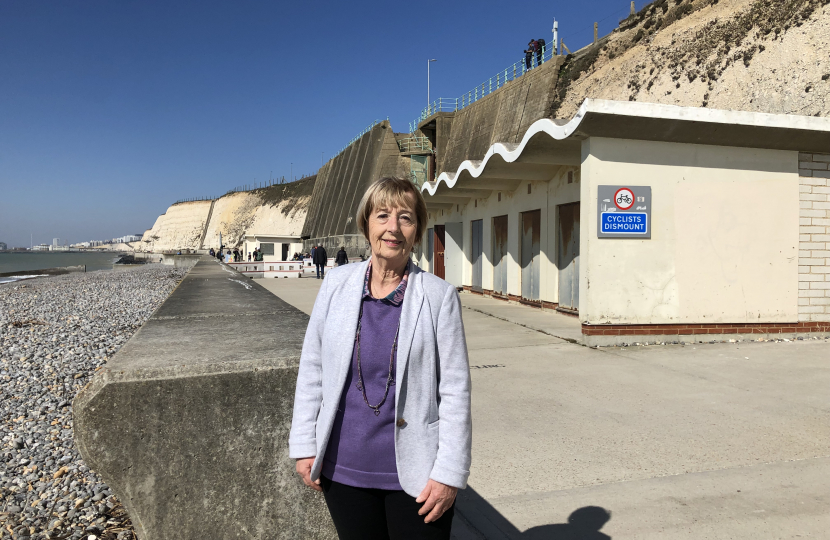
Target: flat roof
point(651, 122)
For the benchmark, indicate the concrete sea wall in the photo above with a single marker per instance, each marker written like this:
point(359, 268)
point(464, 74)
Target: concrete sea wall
point(502, 116)
point(188, 423)
point(341, 183)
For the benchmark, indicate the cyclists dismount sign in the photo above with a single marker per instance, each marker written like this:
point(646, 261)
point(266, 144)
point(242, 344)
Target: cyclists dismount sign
point(624, 212)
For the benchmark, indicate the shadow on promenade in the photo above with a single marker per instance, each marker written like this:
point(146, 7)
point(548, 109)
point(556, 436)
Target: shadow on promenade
point(583, 523)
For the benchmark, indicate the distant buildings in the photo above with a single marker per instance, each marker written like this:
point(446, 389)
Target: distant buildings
point(59, 244)
point(127, 239)
point(3, 246)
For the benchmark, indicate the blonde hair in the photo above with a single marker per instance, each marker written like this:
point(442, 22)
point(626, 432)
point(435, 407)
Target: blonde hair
point(392, 192)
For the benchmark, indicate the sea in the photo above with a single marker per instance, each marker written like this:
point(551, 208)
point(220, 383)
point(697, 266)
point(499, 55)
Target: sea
point(30, 262)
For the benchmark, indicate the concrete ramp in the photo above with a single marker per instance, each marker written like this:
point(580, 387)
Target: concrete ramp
point(189, 422)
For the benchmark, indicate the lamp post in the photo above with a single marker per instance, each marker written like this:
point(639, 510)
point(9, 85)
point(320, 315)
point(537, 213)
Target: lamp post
point(555, 37)
point(428, 63)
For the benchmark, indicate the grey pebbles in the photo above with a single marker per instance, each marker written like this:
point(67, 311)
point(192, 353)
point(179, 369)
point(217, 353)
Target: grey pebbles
point(54, 334)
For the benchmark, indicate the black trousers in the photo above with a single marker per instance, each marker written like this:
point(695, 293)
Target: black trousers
point(379, 514)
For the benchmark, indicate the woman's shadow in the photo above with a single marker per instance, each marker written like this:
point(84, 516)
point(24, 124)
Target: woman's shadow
point(583, 524)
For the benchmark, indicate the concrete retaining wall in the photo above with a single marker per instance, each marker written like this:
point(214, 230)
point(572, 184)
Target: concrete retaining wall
point(341, 183)
point(188, 423)
point(502, 116)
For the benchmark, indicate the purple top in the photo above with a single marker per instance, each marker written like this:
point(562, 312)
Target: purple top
point(361, 449)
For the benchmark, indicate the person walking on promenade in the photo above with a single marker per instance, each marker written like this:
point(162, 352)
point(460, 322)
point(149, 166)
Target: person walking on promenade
point(320, 260)
point(540, 51)
point(313, 249)
point(341, 258)
point(382, 422)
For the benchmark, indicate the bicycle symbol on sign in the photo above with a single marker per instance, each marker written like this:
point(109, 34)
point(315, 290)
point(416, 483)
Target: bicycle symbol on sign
point(624, 198)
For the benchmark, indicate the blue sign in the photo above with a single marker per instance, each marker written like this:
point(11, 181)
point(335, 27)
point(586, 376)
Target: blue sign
point(624, 223)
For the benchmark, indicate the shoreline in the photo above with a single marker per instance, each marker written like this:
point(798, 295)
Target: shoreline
point(21, 275)
point(54, 335)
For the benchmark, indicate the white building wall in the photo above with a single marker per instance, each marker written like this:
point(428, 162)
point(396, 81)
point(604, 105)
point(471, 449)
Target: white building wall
point(543, 196)
point(724, 241)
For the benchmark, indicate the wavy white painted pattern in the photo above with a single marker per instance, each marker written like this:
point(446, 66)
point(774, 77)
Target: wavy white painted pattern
point(510, 152)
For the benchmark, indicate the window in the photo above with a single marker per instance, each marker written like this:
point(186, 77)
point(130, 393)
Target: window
point(267, 249)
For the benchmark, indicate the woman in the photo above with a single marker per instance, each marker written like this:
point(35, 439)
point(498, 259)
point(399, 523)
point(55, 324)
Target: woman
point(382, 409)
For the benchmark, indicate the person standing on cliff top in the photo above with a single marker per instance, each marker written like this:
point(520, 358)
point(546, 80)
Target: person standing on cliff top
point(529, 54)
point(540, 51)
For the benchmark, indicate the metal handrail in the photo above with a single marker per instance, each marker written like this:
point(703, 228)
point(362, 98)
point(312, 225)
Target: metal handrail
point(359, 135)
point(414, 144)
point(513, 72)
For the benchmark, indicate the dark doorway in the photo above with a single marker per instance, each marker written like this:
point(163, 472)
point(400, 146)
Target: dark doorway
point(284, 252)
point(567, 259)
point(477, 251)
point(500, 254)
point(438, 258)
point(530, 250)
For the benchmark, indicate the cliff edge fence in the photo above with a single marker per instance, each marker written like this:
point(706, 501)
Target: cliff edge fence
point(501, 116)
point(188, 423)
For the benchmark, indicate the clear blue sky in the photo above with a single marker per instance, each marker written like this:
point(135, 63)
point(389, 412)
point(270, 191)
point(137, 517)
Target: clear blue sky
point(112, 110)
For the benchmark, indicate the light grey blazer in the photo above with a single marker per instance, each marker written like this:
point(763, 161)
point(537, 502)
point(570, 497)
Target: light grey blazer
point(433, 431)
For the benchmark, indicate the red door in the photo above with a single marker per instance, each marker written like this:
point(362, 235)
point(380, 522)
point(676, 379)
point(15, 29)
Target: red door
point(438, 268)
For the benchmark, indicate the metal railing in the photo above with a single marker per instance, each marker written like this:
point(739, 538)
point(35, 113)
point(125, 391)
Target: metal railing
point(492, 84)
point(248, 187)
point(414, 144)
point(359, 135)
point(194, 199)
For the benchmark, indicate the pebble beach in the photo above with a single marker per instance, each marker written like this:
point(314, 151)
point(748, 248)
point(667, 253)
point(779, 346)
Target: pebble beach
point(55, 333)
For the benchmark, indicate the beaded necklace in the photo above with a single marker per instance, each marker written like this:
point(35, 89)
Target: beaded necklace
point(389, 378)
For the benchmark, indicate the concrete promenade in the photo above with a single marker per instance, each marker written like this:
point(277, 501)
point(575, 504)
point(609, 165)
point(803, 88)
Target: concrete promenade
point(697, 441)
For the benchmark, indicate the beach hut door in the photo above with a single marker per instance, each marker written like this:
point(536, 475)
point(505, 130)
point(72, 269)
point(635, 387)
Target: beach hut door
point(531, 225)
point(500, 254)
point(568, 257)
point(477, 251)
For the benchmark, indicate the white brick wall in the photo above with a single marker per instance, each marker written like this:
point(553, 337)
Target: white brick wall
point(814, 239)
